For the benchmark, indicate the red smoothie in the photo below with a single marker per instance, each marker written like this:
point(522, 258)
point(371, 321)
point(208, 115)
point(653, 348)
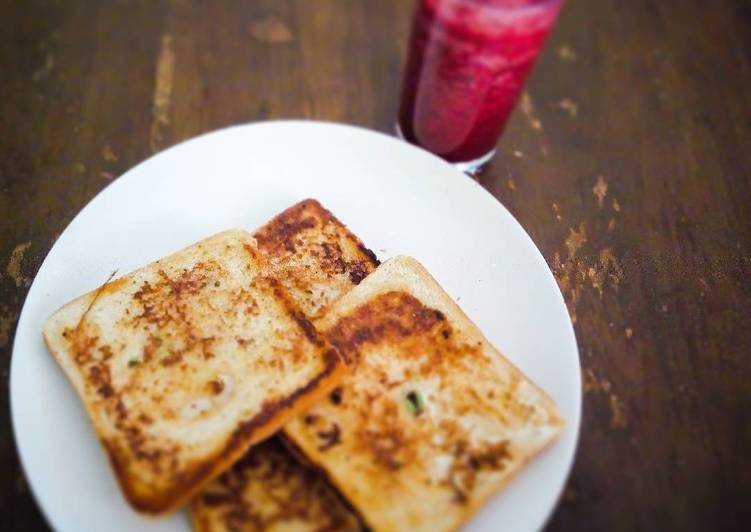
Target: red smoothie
point(466, 66)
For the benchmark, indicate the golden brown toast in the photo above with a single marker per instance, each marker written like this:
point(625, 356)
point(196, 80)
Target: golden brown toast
point(270, 490)
point(184, 364)
point(313, 255)
point(430, 419)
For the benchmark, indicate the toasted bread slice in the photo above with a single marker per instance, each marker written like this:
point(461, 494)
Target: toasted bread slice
point(184, 364)
point(430, 419)
point(314, 256)
point(270, 490)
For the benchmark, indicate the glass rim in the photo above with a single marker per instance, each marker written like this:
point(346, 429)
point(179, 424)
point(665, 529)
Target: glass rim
point(531, 5)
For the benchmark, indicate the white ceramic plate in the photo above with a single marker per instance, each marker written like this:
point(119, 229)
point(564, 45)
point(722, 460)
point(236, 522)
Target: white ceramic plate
point(397, 198)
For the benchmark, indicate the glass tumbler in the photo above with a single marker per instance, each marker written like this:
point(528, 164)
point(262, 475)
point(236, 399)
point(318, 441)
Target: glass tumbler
point(466, 66)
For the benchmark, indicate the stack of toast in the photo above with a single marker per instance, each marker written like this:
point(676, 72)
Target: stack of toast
point(285, 380)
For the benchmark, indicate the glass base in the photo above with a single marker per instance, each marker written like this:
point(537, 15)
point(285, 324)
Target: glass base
point(474, 167)
point(470, 168)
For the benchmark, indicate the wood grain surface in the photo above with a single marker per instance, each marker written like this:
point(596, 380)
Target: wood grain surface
point(628, 162)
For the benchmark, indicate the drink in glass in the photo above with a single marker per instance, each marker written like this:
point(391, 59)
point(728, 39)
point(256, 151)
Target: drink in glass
point(466, 65)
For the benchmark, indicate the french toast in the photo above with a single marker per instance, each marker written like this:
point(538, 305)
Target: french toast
point(313, 255)
point(430, 419)
point(184, 364)
point(269, 490)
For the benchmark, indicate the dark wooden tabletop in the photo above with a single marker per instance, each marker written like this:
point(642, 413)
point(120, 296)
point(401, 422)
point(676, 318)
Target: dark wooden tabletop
point(629, 163)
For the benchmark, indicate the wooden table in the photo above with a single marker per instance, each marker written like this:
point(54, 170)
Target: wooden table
point(629, 163)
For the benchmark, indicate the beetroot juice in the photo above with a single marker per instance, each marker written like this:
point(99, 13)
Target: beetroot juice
point(466, 66)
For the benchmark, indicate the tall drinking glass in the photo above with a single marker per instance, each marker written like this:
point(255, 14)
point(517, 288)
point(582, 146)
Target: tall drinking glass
point(466, 65)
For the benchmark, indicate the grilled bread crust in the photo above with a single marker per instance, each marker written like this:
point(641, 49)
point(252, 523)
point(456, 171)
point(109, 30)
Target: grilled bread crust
point(430, 419)
point(270, 490)
point(184, 364)
point(313, 255)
